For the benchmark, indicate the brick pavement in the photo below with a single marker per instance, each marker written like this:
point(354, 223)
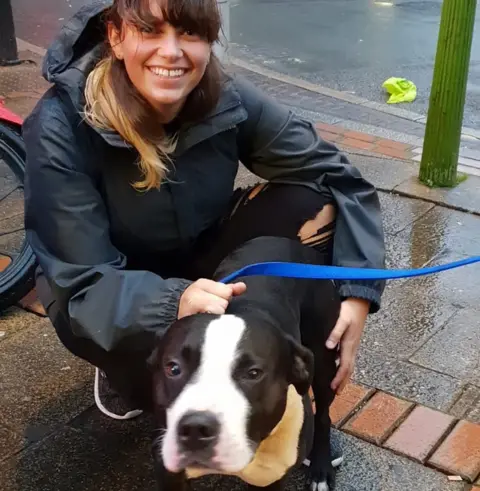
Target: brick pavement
point(415, 431)
point(404, 401)
point(21, 86)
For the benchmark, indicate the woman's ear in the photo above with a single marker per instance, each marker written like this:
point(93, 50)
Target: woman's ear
point(114, 38)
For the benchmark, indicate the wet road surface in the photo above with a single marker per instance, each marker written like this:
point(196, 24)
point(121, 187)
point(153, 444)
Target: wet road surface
point(349, 45)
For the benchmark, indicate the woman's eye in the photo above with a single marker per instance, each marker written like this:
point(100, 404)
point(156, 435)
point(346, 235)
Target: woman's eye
point(146, 29)
point(189, 33)
point(254, 374)
point(172, 369)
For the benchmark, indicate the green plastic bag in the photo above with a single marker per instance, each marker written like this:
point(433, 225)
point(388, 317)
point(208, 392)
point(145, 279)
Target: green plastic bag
point(400, 90)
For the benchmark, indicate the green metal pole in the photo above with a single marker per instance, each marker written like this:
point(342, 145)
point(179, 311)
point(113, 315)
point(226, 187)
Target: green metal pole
point(447, 98)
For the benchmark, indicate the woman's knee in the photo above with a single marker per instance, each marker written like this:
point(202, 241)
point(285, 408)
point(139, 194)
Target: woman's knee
point(78, 346)
point(320, 228)
point(310, 214)
point(280, 210)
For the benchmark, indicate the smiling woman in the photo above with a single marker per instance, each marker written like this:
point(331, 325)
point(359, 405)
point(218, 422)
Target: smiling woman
point(160, 54)
point(132, 158)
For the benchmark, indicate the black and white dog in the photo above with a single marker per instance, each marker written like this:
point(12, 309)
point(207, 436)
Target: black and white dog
point(231, 391)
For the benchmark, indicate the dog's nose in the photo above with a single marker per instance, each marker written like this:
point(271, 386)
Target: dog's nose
point(198, 430)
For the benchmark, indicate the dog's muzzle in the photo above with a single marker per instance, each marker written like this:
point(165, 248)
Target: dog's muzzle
point(198, 432)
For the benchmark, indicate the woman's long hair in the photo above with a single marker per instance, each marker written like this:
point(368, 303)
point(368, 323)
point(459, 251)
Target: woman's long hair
point(113, 103)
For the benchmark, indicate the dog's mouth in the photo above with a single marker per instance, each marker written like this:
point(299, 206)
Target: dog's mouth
point(195, 464)
point(210, 463)
point(203, 464)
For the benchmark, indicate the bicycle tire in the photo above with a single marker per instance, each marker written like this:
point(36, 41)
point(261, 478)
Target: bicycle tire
point(19, 276)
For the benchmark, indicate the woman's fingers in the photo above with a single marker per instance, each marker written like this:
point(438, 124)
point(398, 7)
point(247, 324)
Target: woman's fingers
point(238, 288)
point(215, 288)
point(345, 369)
point(221, 289)
point(208, 296)
point(337, 333)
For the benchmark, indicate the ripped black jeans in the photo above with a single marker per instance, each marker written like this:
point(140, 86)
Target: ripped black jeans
point(282, 210)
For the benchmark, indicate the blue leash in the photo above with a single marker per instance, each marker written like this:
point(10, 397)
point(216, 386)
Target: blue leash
point(296, 270)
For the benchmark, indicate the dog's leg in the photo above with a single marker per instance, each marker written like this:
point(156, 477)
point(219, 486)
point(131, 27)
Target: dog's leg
point(321, 472)
point(166, 481)
point(279, 485)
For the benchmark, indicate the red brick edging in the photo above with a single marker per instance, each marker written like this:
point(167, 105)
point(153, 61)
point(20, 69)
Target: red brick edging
point(354, 140)
point(422, 434)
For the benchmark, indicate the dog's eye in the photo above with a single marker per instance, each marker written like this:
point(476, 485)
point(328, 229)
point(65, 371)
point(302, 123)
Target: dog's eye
point(172, 369)
point(254, 374)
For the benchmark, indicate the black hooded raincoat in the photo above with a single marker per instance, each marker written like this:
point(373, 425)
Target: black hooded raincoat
point(104, 247)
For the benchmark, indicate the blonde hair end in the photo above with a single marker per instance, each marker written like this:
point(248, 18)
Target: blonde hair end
point(103, 111)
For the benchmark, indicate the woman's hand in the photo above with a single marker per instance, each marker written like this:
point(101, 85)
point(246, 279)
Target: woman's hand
point(208, 296)
point(347, 333)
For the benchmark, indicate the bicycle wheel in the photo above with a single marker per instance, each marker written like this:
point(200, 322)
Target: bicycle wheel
point(17, 261)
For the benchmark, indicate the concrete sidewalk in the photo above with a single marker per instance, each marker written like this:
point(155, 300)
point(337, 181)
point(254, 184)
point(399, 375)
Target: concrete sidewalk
point(411, 417)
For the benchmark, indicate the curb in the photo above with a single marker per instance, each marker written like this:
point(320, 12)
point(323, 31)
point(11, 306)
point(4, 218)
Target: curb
point(337, 94)
point(343, 96)
point(26, 46)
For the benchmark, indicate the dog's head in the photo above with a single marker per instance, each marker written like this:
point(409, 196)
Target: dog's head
point(223, 383)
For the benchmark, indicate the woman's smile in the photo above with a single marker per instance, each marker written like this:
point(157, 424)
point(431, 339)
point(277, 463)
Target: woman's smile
point(167, 73)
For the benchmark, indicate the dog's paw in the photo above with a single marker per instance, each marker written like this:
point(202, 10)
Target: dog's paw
point(319, 486)
point(321, 479)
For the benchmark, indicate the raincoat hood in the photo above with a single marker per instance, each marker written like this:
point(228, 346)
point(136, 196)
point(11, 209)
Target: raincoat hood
point(76, 50)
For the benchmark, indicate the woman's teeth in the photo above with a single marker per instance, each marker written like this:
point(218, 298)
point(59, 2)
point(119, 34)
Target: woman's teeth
point(167, 73)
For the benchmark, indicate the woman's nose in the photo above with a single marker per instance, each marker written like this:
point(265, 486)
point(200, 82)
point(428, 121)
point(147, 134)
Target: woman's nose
point(169, 46)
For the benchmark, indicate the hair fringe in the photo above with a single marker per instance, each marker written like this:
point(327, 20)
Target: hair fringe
point(103, 111)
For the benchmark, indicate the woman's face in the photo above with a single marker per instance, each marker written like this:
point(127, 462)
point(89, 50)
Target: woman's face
point(164, 65)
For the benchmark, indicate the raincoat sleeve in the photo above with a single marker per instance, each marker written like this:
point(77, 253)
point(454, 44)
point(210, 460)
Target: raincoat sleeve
point(281, 147)
point(67, 226)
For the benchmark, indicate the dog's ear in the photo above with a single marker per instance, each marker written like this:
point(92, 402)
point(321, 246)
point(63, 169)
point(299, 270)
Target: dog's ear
point(301, 367)
point(154, 364)
point(155, 358)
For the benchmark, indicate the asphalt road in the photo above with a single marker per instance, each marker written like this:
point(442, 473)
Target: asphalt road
point(348, 45)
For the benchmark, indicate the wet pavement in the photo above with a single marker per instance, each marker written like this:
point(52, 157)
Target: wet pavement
point(22, 85)
point(423, 346)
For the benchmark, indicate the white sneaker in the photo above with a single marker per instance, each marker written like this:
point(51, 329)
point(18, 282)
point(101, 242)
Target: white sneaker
point(105, 395)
